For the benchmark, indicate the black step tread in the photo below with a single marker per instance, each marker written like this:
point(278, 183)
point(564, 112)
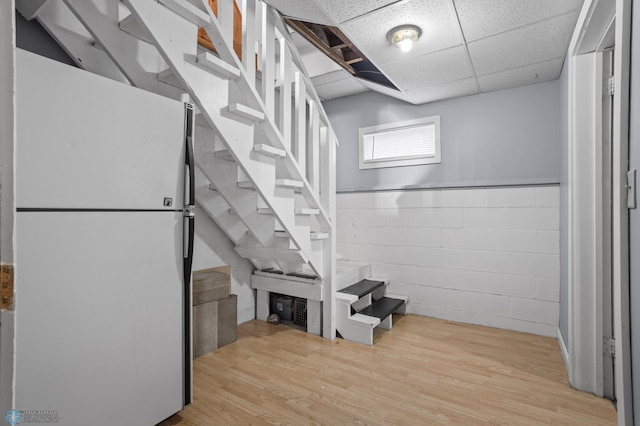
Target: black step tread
point(382, 308)
point(362, 288)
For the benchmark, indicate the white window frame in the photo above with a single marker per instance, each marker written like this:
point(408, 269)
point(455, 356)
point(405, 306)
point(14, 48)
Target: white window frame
point(400, 161)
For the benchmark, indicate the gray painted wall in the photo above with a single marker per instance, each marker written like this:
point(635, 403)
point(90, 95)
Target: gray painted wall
point(564, 204)
point(32, 37)
point(508, 137)
point(634, 215)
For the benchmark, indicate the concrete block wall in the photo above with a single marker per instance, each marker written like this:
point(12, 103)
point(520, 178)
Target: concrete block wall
point(487, 256)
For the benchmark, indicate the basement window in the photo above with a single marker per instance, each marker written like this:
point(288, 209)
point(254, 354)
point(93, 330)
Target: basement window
point(405, 143)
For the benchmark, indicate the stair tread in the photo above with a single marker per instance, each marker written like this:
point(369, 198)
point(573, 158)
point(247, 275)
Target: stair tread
point(270, 150)
point(289, 183)
point(246, 185)
point(382, 308)
point(187, 11)
point(246, 112)
point(307, 211)
point(223, 154)
point(362, 288)
point(217, 65)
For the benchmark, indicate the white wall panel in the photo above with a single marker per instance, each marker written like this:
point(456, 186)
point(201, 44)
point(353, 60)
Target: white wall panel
point(394, 217)
point(548, 242)
point(539, 311)
point(442, 217)
point(464, 238)
point(211, 249)
point(464, 198)
point(486, 256)
point(535, 218)
point(486, 218)
point(487, 261)
point(548, 196)
point(548, 289)
point(538, 265)
point(511, 197)
point(420, 237)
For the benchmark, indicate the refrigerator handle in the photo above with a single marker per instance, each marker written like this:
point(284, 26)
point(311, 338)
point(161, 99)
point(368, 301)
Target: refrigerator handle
point(188, 158)
point(187, 395)
point(189, 234)
point(190, 173)
point(189, 189)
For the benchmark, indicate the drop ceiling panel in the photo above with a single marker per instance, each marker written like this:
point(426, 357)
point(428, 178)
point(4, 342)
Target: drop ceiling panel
point(330, 77)
point(345, 87)
point(530, 74)
point(430, 70)
point(454, 89)
point(436, 18)
point(304, 10)
point(341, 10)
point(480, 19)
point(467, 46)
point(534, 43)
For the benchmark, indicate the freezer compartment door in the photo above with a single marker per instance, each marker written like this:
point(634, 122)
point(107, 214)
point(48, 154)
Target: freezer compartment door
point(99, 316)
point(85, 141)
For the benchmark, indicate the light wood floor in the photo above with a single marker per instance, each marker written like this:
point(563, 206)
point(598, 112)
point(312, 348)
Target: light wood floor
point(423, 372)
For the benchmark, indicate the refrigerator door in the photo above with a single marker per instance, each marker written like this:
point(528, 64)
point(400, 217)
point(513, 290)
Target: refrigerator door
point(100, 316)
point(89, 142)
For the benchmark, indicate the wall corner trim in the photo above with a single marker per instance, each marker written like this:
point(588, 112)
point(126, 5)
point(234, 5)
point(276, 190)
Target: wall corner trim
point(563, 349)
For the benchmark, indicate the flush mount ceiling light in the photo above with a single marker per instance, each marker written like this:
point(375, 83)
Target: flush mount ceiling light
point(404, 36)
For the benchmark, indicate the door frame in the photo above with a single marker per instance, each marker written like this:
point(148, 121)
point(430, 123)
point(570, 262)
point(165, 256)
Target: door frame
point(585, 343)
point(7, 201)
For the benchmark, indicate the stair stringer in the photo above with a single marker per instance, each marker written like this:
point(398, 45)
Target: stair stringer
point(174, 39)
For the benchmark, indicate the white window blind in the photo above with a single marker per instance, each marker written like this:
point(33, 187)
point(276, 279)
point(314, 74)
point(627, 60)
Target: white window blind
point(397, 144)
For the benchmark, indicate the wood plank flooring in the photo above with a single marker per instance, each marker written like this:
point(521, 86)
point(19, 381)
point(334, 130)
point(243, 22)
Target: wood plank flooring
point(423, 372)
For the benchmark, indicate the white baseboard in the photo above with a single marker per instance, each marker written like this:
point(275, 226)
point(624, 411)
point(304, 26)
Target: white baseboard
point(563, 349)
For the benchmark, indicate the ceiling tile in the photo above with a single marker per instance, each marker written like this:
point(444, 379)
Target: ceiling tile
point(482, 18)
point(330, 77)
point(530, 74)
point(454, 89)
point(531, 44)
point(436, 19)
point(336, 89)
point(303, 10)
point(342, 10)
point(430, 70)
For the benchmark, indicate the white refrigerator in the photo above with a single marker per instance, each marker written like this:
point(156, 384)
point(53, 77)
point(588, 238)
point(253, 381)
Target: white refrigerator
point(104, 197)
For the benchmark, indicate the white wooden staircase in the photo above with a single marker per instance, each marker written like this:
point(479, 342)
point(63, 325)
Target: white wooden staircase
point(264, 148)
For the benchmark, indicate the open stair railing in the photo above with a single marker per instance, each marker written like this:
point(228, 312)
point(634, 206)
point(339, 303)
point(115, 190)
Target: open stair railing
point(265, 150)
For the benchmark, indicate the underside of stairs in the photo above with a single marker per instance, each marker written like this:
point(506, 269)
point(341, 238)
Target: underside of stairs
point(264, 148)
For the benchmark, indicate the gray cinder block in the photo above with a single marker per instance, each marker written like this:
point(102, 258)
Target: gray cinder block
point(210, 284)
point(205, 328)
point(227, 320)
